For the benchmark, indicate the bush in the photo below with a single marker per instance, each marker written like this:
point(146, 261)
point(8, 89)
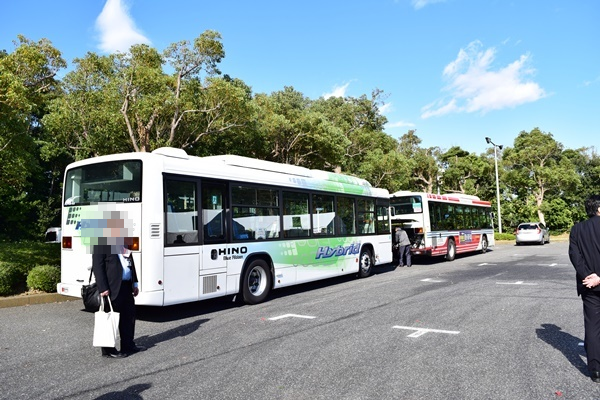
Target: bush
point(44, 278)
point(504, 236)
point(11, 278)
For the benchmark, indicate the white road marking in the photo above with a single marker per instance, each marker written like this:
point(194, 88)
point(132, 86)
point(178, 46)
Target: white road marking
point(517, 283)
point(291, 316)
point(421, 331)
point(431, 280)
point(483, 264)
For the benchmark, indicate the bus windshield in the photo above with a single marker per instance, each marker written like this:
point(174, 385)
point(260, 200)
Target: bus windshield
point(114, 181)
point(406, 205)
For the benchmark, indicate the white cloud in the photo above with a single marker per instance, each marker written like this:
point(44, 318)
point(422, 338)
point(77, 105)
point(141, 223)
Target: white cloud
point(418, 4)
point(592, 82)
point(399, 124)
point(475, 87)
point(117, 30)
point(386, 108)
point(338, 91)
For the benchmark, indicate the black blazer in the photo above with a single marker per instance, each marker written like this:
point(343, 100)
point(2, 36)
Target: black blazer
point(109, 272)
point(584, 251)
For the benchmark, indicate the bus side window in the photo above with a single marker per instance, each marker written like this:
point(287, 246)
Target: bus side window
point(181, 212)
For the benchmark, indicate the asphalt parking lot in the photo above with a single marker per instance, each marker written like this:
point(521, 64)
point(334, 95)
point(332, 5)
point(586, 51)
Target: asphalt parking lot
point(505, 324)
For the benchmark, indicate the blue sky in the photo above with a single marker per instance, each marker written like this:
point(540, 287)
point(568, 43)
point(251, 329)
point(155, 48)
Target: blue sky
point(454, 70)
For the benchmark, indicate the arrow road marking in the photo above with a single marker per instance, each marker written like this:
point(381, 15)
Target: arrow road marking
point(421, 331)
point(291, 316)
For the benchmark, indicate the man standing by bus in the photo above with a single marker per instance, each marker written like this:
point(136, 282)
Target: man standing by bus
point(403, 243)
point(584, 252)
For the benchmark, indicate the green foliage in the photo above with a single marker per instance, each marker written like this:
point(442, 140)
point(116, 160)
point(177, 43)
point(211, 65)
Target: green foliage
point(17, 259)
point(504, 236)
point(537, 169)
point(145, 98)
point(558, 215)
point(44, 278)
point(11, 278)
point(29, 254)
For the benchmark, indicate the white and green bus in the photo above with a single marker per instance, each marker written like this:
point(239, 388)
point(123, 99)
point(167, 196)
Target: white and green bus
point(204, 227)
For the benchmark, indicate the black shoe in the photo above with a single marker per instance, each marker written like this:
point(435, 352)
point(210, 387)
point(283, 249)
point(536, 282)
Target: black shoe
point(595, 376)
point(400, 265)
point(117, 354)
point(134, 350)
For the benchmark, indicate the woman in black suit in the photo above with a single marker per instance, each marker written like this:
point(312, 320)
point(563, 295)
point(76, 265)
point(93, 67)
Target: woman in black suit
point(116, 277)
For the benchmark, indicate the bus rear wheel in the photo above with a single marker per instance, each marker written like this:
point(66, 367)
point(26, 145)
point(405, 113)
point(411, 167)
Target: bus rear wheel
point(365, 266)
point(451, 250)
point(257, 282)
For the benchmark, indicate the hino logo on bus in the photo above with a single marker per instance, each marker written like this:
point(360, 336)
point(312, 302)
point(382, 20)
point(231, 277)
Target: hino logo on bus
point(327, 252)
point(233, 250)
point(229, 253)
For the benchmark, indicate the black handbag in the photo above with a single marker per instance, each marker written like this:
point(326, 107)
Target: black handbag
point(90, 296)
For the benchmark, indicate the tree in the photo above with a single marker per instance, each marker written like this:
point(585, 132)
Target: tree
point(587, 167)
point(27, 83)
point(361, 124)
point(463, 171)
point(297, 134)
point(125, 101)
point(86, 118)
point(422, 163)
point(536, 167)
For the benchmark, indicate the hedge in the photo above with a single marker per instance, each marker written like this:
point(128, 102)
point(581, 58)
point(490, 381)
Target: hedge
point(44, 278)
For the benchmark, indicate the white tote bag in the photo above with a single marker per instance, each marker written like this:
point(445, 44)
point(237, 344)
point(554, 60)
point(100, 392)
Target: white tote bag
point(106, 325)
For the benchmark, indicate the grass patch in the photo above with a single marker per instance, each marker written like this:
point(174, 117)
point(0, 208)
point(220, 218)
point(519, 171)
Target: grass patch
point(17, 259)
point(30, 254)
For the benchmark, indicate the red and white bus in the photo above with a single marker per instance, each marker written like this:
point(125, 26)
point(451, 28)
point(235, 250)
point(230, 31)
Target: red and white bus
point(443, 225)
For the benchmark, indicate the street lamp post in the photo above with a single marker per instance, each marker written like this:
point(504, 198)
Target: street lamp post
point(496, 146)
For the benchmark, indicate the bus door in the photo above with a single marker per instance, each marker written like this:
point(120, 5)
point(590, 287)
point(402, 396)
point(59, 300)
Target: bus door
point(182, 240)
point(214, 255)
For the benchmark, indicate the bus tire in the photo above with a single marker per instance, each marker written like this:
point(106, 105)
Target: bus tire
point(365, 263)
point(257, 282)
point(451, 250)
point(484, 244)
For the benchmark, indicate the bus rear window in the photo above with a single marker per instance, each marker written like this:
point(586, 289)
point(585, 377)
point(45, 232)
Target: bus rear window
point(114, 181)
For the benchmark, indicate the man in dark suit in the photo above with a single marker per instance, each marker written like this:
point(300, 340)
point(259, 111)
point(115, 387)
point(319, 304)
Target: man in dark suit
point(584, 252)
point(116, 277)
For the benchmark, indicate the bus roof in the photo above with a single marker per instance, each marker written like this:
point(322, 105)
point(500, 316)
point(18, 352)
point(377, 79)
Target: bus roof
point(459, 198)
point(246, 169)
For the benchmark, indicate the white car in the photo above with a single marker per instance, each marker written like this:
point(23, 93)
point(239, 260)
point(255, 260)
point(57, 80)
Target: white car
point(532, 232)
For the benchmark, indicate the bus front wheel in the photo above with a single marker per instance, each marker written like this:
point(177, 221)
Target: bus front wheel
point(451, 250)
point(365, 263)
point(484, 244)
point(257, 282)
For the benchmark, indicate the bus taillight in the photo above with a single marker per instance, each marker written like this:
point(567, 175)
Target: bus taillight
point(66, 242)
point(133, 243)
point(419, 230)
